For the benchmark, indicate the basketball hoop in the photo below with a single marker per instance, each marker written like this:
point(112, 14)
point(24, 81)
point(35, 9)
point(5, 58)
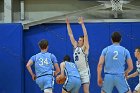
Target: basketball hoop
point(116, 5)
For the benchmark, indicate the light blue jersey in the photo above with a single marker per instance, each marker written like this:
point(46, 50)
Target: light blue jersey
point(115, 59)
point(44, 63)
point(71, 70)
point(73, 81)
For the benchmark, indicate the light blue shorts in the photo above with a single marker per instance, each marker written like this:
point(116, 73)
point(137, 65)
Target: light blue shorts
point(72, 84)
point(118, 81)
point(45, 82)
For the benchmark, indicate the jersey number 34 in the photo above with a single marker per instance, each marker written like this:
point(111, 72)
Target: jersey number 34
point(43, 62)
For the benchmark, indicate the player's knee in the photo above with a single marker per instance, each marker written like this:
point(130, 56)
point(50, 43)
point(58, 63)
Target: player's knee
point(48, 90)
point(135, 92)
point(129, 91)
point(86, 91)
point(103, 91)
point(86, 88)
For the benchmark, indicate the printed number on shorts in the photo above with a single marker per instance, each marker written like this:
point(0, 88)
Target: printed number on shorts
point(43, 62)
point(115, 57)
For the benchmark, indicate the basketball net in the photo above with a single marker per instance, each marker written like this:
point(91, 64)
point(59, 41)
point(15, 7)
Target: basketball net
point(116, 5)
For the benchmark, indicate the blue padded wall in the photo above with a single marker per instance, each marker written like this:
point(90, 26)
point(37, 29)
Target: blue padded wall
point(14, 76)
point(59, 44)
point(11, 60)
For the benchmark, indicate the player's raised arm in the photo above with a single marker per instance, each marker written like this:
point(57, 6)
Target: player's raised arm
point(73, 41)
point(86, 42)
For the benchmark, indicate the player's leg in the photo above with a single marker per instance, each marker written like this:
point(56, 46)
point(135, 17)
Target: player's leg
point(86, 87)
point(67, 86)
point(121, 84)
point(108, 84)
point(76, 85)
point(137, 89)
point(102, 91)
point(64, 91)
point(49, 90)
point(85, 80)
point(39, 82)
point(48, 84)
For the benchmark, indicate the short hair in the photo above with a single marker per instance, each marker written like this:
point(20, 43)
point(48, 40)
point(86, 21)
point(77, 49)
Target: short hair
point(66, 58)
point(81, 37)
point(116, 37)
point(43, 44)
point(138, 48)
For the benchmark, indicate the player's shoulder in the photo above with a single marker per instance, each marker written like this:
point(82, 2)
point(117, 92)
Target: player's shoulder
point(106, 48)
point(36, 55)
point(63, 64)
point(126, 50)
point(72, 63)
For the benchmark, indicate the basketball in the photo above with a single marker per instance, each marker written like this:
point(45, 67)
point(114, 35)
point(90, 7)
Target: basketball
point(60, 79)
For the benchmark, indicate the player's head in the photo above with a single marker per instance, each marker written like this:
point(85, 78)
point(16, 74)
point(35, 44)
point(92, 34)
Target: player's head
point(81, 41)
point(116, 37)
point(43, 44)
point(66, 58)
point(137, 52)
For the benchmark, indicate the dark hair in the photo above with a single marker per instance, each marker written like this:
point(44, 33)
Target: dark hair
point(138, 48)
point(43, 44)
point(66, 58)
point(116, 37)
point(81, 37)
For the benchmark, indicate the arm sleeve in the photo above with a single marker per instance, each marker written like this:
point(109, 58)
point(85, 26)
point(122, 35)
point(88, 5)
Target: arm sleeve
point(33, 58)
point(104, 52)
point(128, 56)
point(54, 59)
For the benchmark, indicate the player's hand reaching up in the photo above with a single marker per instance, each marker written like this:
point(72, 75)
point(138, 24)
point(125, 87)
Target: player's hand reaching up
point(80, 20)
point(67, 20)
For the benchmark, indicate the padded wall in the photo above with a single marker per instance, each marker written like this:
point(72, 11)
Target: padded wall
point(59, 44)
point(11, 59)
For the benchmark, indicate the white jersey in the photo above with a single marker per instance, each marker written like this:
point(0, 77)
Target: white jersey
point(80, 59)
point(138, 68)
point(137, 88)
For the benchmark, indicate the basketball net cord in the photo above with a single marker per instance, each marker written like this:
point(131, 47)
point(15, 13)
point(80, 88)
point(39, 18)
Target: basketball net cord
point(116, 5)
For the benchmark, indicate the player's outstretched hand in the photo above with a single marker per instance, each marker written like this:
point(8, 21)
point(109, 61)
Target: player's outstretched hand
point(67, 20)
point(80, 20)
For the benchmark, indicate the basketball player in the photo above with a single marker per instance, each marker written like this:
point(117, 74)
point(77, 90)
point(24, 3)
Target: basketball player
point(73, 81)
point(114, 58)
point(44, 67)
point(137, 55)
point(81, 50)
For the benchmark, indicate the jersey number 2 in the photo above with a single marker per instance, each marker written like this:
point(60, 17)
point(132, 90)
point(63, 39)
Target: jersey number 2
point(115, 57)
